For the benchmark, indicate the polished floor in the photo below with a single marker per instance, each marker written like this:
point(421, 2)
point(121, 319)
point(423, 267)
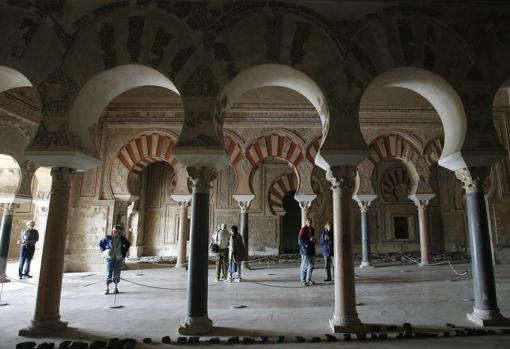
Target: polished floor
point(153, 300)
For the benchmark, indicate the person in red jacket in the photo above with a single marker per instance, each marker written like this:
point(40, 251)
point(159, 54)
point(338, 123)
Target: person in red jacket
point(306, 242)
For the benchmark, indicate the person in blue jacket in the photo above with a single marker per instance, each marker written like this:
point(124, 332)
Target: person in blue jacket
point(114, 248)
point(327, 248)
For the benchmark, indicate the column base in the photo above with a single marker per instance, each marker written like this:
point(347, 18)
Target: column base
point(346, 324)
point(424, 263)
point(4, 279)
point(366, 265)
point(181, 266)
point(488, 318)
point(195, 325)
point(38, 328)
point(245, 265)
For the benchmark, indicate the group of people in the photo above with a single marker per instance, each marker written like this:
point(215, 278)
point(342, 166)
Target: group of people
point(230, 251)
point(306, 242)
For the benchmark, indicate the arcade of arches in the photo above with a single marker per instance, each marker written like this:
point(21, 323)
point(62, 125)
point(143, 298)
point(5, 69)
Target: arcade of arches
point(172, 117)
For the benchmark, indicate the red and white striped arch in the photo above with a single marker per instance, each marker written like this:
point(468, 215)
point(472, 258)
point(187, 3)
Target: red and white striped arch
point(392, 146)
point(274, 145)
point(234, 150)
point(146, 149)
point(313, 149)
point(282, 186)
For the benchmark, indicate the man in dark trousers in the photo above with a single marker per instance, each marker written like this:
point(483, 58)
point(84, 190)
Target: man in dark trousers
point(306, 242)
point(327, 248)
point(29, 237)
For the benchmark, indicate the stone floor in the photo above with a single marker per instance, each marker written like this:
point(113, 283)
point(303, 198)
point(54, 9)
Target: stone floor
point(154, 305)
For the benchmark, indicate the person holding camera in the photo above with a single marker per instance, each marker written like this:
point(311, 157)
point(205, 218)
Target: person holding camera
point(219, 245)
point(114, 248)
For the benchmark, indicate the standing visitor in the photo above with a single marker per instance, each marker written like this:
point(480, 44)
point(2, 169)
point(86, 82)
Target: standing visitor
point(306, 241)
point(235, 254)
point(221, 238)
point(114, 247)
point(327, 248)
point(29, 237)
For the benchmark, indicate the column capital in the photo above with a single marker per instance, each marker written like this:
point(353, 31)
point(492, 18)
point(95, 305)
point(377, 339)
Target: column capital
point(61, 178)
point(305, 205)
point(202, 178)
point(364, 201)
point(8, 209)
point(342, 177)
point(421, 200)
point(244, 201)
point(472, 178)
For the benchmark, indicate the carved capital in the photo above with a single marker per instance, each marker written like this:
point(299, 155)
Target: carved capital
point(183, 206)
point(305, 205)
point(472, 178)
point(363, 206)
point(8, 209)
point(342, 177)
point(244, 206)
point(201, 178)
point(61, 179)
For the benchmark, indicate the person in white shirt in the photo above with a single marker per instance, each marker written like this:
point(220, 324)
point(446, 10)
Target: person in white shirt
point(221, 238)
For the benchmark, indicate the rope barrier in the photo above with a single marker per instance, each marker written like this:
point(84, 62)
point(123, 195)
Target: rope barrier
point(163, 288)
point(464, 273)
point(269, 285)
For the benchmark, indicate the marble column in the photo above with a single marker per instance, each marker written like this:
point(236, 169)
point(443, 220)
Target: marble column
point(364, 202)
point(183, 201)
point(305, 209)
point(5, 239)
point(197, 321)
point(345, 317)
point(421, 201)
point(244, 204)
point(485, 310)
point(47, 306)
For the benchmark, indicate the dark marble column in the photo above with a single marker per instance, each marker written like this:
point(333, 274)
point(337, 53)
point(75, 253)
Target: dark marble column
point(5, 239)
point(485, 310)
point(197, 321)
point(47, 305)
point(345, 317)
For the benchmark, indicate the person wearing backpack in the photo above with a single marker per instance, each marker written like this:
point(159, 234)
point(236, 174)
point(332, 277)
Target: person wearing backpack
point(221, 238)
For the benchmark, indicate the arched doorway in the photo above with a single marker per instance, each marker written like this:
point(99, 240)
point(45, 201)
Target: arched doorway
point(291, 222)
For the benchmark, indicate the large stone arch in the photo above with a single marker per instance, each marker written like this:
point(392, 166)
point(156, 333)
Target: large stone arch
point(247, 36)
point(99, 91)
point(32, 42)
point(445, 101)
point(123, 33)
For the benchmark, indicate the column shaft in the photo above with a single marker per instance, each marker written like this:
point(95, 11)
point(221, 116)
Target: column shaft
point(485, 310)
point(243, 227)
point(47, 306)
point(424, 234)
point(183, 234)
point(5, 239)
point(345, 317)
point(365, 239)
point(481, 259)
point(197, 320)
